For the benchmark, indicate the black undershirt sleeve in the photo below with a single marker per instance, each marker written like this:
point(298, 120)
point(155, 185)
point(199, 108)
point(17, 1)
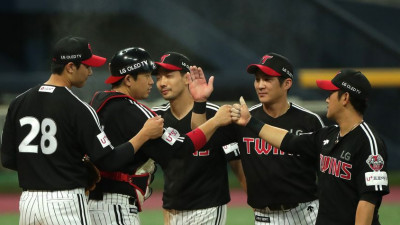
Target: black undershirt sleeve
point(117, 158)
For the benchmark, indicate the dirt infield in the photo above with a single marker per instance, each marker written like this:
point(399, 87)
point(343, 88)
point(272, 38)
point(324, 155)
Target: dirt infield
point(9, 202)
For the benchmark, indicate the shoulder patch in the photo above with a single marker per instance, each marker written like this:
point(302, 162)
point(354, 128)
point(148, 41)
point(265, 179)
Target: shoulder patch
point(103, 139)
point(376, 178)
point(375, 162)
point(170, 135)
point(232, 147)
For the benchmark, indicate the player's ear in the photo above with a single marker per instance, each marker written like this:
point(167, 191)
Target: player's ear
point(128, 80)
point(186, 77)
point(288, 83)
point(346, 98)
point(69, 67)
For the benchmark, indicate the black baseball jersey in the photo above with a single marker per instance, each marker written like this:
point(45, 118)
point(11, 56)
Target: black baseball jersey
point(274, 176)
point(349, 167)
point(199, 181)
point(47, 132)
point(123, 117)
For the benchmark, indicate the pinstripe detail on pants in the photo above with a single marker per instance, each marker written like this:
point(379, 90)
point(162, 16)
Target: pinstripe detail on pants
point(114, 209)
point(304, 214)
point(54, 207)
point(210, 216)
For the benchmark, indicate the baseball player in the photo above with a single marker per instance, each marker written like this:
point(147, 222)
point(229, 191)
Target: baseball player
point(196, 189)
point(47, 132)
point(119, 195)
point(352, 169)
point(281, 187)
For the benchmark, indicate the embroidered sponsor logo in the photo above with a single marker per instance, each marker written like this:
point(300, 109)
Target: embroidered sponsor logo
point(375, 162)
point(48, 89)
point(66, 57)
point(231, 147)
point(133, 67)
point(103, 139)
point(376, 178)
point(170, 135)
point(264, 219)
point(351, 88)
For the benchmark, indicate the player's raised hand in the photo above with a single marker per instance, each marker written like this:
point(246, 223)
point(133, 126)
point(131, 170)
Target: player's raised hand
point(198, 86)
point(153, 128)
point(240, 113)
point(223, 115)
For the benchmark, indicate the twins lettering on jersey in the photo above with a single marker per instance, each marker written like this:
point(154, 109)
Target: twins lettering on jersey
point(261, 147)
point(335, 167)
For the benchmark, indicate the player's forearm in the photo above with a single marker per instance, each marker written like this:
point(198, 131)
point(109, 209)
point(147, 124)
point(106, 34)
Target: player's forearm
point(209, 127)
point(115, 160)
point(364, 213)
point(138, 140)
point(273, 135)
point(202, 134)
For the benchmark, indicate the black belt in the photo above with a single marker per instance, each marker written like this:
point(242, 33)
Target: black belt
point(99, 196)
point(132, 201)
point(278, 207)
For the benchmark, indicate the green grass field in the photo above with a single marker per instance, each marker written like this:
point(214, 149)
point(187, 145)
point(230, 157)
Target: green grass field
point(389, 215)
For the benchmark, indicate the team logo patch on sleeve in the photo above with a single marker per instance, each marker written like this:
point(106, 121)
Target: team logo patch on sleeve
point(375, 162)
point(170, 135)
point(376, 178)
point(103, 139)
point(232, 147)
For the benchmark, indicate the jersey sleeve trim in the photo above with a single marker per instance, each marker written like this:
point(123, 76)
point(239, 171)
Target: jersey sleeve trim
point(309, 112)
point(371, 138)
point(91, 110)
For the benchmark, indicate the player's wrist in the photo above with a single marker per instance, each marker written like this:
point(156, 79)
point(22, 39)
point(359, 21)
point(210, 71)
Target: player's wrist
point(199, 107)
point(255, 125)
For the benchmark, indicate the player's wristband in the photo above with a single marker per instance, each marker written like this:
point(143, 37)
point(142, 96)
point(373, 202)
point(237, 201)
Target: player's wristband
point(198, 138)
point(255, 125)
point(199, 107)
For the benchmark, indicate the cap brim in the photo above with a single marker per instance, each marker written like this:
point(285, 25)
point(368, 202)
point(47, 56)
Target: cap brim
point(168, 66)
point(112, 79)
point(95, 61)
point(326, 85)
point(252, 69)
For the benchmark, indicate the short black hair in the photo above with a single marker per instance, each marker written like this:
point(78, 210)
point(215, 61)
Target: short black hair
point(119, 82)
point(57, 68)
point(360, 105)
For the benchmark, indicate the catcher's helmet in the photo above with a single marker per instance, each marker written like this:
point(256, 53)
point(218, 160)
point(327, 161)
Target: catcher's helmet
point(129, 61)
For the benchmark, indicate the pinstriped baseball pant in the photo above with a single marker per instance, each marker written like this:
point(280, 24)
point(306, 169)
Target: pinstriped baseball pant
point(304, 214)
point(210, 216)
point(114, 209)
point(54, 207)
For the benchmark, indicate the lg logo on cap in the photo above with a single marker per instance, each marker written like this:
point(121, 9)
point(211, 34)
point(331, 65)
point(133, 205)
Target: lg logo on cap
point(348, 86)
